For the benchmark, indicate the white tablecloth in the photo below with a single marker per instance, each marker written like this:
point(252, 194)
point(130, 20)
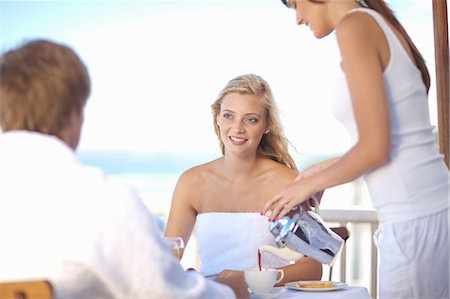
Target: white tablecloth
point(354, 292)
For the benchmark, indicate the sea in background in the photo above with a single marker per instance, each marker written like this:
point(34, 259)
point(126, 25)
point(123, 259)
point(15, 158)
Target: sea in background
point(154, 174)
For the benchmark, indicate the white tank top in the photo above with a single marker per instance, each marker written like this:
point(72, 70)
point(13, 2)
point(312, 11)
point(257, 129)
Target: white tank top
point(415, 182)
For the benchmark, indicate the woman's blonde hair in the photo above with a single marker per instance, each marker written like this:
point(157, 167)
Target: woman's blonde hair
point(41, 84)
point(273, 144)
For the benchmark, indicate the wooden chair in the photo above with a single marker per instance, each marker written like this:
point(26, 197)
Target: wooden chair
point(344, 233)
point(32, 289)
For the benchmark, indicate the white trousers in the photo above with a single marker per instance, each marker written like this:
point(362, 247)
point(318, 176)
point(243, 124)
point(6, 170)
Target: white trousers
point(414, 258)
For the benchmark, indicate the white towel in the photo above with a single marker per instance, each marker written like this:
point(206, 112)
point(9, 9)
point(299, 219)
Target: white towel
point(231, 241)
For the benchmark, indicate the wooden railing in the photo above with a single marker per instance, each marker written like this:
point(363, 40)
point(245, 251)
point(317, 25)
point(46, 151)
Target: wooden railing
point(356, 215)
point(441, 49)
point(341, 217)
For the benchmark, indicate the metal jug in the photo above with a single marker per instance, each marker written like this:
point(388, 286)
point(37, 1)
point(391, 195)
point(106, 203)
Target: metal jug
point(303, 233)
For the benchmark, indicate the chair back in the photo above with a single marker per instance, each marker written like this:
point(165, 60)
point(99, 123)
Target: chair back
point(32, 289)
point(344, 233)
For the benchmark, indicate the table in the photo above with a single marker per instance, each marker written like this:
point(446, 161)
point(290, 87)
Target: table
point(355, 292)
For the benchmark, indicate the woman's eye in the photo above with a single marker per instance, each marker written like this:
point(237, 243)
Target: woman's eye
point(227, 115)
point(252, 120)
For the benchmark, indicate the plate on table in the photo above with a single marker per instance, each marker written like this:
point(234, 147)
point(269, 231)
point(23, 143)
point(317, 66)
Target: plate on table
point(315, 285)
point(276, 291)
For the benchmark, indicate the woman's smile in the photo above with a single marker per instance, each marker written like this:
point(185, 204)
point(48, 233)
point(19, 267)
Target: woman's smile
point(237, 140)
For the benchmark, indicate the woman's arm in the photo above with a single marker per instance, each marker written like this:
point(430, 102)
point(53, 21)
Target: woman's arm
point(304, 269)
point(313, 202)
point(362, 65)
point(182, 214)
point(317, 167)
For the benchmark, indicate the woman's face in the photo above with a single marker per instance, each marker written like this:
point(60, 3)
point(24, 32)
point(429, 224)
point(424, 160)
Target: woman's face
point(312, 14)
point(242, 122)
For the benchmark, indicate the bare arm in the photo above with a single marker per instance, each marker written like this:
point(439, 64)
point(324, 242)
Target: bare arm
point(364, 72)
point(182, 213)
point(317, 167)
point(236, 281)
point(181, 222)
point(304, 269)
point(312, 170)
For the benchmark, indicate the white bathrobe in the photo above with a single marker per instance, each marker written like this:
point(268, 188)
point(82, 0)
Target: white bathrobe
point(91, 237)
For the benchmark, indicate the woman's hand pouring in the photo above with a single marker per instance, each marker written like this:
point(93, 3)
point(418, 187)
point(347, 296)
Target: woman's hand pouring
point(296, 193)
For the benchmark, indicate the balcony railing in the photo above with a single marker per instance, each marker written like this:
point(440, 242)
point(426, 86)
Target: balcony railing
point(354, 216)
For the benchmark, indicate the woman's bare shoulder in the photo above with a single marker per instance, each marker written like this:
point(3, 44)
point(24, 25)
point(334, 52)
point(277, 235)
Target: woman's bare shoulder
point(198, 173)
point(280, 171)
point(357, 27)
point(355, 21)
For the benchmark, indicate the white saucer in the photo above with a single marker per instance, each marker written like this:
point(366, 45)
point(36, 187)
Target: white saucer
point(337, 285)
point(273, 294)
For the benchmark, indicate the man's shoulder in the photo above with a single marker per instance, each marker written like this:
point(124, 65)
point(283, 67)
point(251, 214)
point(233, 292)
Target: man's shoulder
point(101, 188)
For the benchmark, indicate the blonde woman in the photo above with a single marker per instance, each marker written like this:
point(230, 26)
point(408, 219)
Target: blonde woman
point(223, 197)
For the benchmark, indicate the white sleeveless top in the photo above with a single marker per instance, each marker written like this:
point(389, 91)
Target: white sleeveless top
point(231, 240)
point(415, 182)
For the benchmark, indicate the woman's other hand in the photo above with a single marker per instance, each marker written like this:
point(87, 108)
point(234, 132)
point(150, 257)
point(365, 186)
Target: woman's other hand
point(297, 192)
point(236, 281)
point(294, 194)
point(314, 202)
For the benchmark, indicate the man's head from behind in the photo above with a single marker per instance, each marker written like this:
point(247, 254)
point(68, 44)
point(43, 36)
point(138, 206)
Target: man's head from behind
point(44, 87)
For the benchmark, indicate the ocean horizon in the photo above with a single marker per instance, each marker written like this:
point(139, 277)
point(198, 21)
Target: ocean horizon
point(120, 162)
point(154, 174)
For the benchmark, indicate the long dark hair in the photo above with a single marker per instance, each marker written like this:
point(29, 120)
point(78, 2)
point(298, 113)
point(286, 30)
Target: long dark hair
point(381, 7)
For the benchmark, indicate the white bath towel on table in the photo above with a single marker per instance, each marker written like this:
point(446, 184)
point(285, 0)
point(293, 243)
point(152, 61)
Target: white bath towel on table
point(231, 241)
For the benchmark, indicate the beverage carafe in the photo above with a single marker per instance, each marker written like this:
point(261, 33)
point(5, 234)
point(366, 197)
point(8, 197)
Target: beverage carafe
point(303, 233)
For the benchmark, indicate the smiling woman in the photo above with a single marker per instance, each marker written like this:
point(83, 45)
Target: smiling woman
point(227, 193)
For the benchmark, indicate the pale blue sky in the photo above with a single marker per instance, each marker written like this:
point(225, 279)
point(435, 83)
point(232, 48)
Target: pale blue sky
point(156, 66)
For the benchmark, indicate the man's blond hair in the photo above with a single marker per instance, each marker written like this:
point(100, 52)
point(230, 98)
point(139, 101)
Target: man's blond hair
point(41, 84)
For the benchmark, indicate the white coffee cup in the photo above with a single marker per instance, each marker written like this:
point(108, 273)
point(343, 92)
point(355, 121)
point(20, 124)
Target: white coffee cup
point(262, 281)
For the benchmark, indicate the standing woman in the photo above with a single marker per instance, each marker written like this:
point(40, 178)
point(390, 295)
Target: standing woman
point(383, 105)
